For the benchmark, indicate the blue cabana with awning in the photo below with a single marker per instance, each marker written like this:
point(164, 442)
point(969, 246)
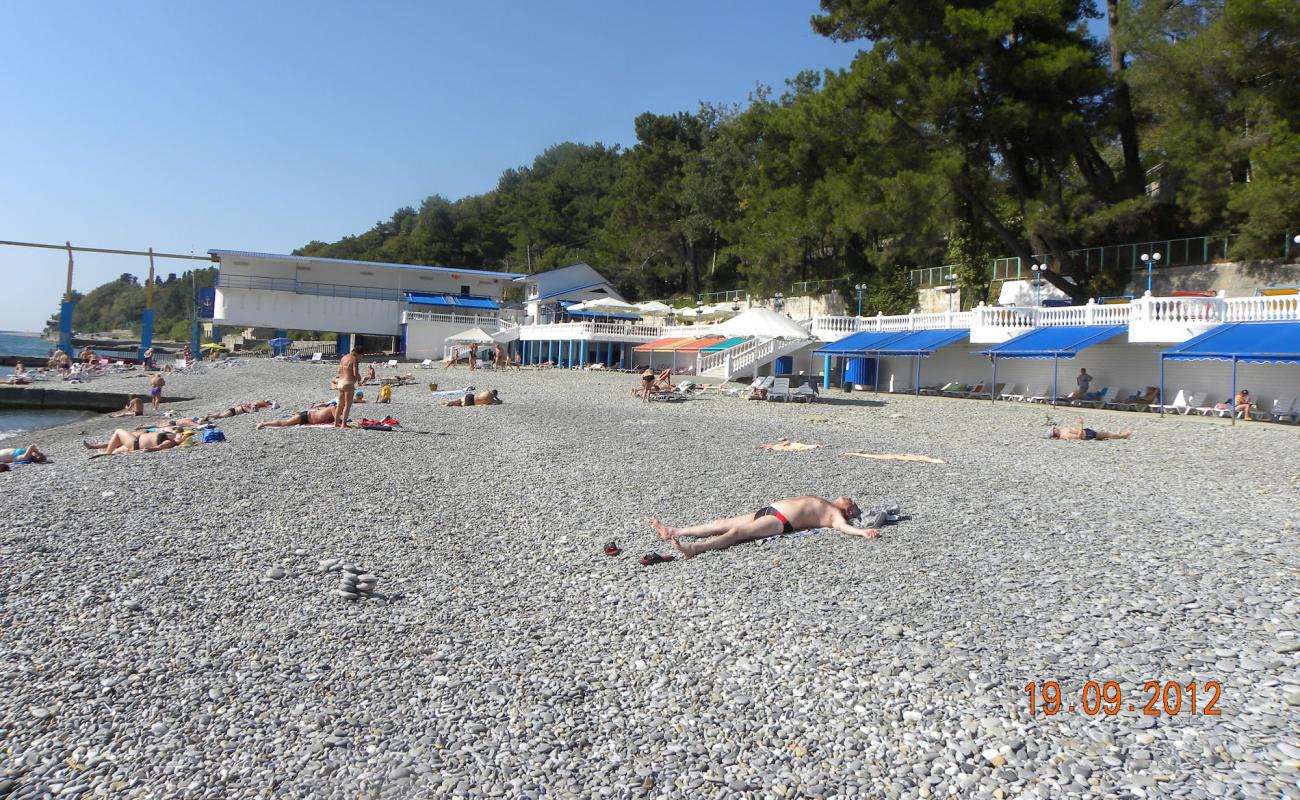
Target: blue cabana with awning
point(918, 344)
point(1248, 342)
point(1054, 343)
point(854, 345)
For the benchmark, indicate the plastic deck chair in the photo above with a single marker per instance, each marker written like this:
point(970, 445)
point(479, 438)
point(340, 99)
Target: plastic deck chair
point(1016, 392)
point(1108, 393)
point(315, 356)
point(1285, 408)
point(1195, 403)
point(780, 389)
point(806, 392)
point(1179, 405)
point(1036, 394)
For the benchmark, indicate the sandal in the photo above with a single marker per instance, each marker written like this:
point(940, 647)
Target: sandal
point(650, 559)
point(611, 549)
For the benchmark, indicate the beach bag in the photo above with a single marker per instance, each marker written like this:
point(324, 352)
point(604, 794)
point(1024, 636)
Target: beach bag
point(213, 435)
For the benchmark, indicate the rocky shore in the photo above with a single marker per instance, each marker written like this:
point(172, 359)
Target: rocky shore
point(428, 612)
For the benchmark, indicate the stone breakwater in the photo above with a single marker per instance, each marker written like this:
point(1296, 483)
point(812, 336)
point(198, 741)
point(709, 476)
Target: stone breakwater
point(309, 612)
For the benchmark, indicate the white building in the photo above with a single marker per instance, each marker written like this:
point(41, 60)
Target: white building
point(417, 305)
point(547, 293)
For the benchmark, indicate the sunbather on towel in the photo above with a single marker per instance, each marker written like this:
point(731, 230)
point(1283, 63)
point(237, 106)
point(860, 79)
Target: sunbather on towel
point(22, 455)
point(323, 415)
point(783, 516)
point(487, 398)
point(1087, 434)
point(134, 408)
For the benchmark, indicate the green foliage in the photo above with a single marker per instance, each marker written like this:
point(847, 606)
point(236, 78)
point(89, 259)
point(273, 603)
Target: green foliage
point(969, 129)
point(119, 304)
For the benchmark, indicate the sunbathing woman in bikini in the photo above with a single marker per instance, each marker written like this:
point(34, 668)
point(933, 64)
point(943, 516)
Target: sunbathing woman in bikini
point(124, 441)
point(22, 455)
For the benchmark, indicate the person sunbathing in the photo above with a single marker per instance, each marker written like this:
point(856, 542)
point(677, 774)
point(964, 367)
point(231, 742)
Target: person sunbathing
point(124, 441)
point(1083, 434)
point(397, 380)
point(22, 455)
point(487, 398)
point(783, 516)
point(134, 408)
point(316, 415)
point(243, 408)
point(370, 376)
point(1145, 398)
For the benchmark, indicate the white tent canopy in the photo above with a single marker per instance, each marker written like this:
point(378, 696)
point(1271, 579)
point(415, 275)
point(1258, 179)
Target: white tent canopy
point(685, 312)
point(653, 307)
point(762, 322)
point(472, 336)
point(607, 304)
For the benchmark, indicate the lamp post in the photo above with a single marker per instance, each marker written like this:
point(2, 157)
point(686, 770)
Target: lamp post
point(1151, 260)
point(860, 288)
point(778, 302)
point(951, 279)
point(1038, 269)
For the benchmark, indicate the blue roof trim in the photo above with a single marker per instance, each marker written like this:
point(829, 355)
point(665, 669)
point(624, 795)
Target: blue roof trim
point(922, 343)
point(1246, 342)
point(1062, 342)
point(859, 343)
point(451, 300)
point(219, 254)
point(573, 289)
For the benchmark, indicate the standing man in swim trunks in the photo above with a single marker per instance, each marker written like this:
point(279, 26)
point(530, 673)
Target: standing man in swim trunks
point(784, 516)
point(349, 375)
point(156, 384)
point(473, 356)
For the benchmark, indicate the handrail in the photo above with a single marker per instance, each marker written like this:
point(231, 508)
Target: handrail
point(459, 319)
point(802, 288)
point(730, 296)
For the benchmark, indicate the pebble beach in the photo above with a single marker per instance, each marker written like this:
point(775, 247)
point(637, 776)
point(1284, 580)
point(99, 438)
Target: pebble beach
point(428, 612)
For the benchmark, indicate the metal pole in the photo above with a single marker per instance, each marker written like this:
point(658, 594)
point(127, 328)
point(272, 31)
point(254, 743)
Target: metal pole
point(1162, 385)
point(146, 319)
point(65, 311)
point(1233, 401)
point(916, 380)
point(993, 395)
point(1054, 357)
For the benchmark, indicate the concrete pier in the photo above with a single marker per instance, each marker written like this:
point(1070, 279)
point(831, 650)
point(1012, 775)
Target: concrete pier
point(71, 399)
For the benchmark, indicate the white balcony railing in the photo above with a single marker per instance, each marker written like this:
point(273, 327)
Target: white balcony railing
point(487, 321)
point(587, 330)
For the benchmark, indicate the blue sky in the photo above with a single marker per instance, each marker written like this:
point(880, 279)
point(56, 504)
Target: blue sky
point(262, 126)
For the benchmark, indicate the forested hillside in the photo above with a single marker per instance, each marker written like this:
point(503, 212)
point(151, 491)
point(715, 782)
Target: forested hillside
point(968, 130)
point(962, 131)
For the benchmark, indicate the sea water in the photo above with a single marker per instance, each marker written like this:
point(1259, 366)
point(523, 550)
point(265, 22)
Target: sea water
point(18, 422)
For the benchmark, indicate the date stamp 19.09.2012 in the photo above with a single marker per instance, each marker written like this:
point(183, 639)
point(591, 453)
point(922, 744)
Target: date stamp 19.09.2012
point(1154, 698)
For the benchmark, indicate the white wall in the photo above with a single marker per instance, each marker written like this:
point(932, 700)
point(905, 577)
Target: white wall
point(429, 339)
point(307, 312)
point(362, 275)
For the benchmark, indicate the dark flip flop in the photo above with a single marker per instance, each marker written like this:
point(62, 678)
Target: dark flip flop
point(611, 549)
point(650, 559)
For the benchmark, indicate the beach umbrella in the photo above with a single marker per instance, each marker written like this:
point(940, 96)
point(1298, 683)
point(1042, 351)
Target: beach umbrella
point(765, 323)
point(685, 312)
point(279, 341)
point(653, 307)
point(213, 346)
point(606, 304)
point(472, 336)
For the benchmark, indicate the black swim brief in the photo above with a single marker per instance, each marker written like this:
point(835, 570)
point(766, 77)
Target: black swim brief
point(769, 511)
point(1089, 434)
point(303, 416)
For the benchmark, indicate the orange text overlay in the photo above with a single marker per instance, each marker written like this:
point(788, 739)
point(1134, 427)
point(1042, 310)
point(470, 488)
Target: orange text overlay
point(1109, 698)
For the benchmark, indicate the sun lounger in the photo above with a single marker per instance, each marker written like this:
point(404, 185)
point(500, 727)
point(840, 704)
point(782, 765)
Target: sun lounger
point(392, 362)
point(315, 356)
point(1016, 392)
point(954, 390)
point(984, 394)
point(780, 389)
point(806, 392)
point(1179, 405)
point(426, 364)
point(1036, 395)
point(1285, 408)
point(1108, 394)
point(1194, 403)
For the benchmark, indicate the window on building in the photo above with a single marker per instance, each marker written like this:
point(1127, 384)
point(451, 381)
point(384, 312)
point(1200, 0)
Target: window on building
point(464, 290)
